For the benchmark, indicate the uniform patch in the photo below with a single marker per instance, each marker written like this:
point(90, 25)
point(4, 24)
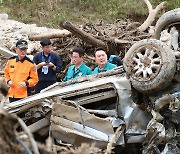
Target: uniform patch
point(80, 74)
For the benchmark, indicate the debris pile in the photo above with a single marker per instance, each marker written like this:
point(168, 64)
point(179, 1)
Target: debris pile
point(163, 129)
point(117, 37)
point(8, 140)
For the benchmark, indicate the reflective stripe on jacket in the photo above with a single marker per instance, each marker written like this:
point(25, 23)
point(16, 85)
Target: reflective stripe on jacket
point(20, 71)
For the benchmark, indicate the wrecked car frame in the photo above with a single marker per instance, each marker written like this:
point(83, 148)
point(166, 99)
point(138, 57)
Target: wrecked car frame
point(90, 111)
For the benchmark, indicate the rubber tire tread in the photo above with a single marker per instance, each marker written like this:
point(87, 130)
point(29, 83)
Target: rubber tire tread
point(166, 19)
point(167, 70)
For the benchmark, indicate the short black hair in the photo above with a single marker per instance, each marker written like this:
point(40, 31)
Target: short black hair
point(45, 42)
point(79, 50)
point(100, 48)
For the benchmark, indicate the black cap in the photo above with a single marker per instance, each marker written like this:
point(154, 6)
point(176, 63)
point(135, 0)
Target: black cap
point(45, 42)
point(22, 44)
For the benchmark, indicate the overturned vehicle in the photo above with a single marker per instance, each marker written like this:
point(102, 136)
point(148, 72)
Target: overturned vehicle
point(138, 102)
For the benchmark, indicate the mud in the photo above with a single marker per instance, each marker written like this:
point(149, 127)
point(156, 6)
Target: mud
point(8, 138)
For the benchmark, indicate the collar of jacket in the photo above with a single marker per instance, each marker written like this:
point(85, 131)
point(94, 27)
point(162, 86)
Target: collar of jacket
point(104, 69)
point(22, 60)
point(43, 57)
point(80, 68)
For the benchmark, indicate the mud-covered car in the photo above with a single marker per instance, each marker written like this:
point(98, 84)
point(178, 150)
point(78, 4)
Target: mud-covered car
point(138, 102)
point(152, 64)
point(153, 67)
point(90, 111)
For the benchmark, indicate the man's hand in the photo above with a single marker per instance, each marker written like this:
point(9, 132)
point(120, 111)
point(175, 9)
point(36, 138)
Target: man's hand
point(10, 83)
point(41, 65)
point(52, 65)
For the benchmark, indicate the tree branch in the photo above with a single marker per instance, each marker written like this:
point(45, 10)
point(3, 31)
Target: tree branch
point(150, 8)
point(152, 14)
point(57, 34)
point(82, 34)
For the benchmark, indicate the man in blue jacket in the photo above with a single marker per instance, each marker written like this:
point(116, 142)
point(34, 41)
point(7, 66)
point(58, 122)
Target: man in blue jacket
point(48, 64)
point(79, 68)
point(101, 60)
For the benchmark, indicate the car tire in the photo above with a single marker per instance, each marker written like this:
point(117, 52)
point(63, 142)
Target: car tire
point(150, 64)
point(167, 20)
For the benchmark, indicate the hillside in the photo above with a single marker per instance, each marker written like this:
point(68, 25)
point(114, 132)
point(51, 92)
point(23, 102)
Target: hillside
point(49, 13)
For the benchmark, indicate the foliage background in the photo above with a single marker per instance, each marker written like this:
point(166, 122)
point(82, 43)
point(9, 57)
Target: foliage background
point(50, 12)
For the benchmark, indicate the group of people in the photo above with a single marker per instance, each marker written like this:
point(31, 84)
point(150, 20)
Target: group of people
point(21, 73)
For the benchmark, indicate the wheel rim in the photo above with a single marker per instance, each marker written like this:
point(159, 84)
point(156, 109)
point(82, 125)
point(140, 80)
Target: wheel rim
point(147, 62)
point(176, 24)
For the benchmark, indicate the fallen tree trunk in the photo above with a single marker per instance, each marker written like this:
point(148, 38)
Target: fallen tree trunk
point(120, 41)
point(58, 34)
point(152, 14)
point(83, 35)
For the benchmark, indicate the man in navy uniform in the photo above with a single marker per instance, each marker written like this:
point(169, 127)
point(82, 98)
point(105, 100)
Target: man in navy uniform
point(48, 64)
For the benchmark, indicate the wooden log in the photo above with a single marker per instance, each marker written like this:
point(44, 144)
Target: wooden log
point(50, 35)
point(113, 39)
point(83, 35)
point(152, 14)
point(120, 41)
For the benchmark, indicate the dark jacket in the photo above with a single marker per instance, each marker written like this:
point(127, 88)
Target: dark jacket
point(55, 59)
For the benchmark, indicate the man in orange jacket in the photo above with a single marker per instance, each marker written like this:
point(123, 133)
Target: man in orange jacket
point(20, 73)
